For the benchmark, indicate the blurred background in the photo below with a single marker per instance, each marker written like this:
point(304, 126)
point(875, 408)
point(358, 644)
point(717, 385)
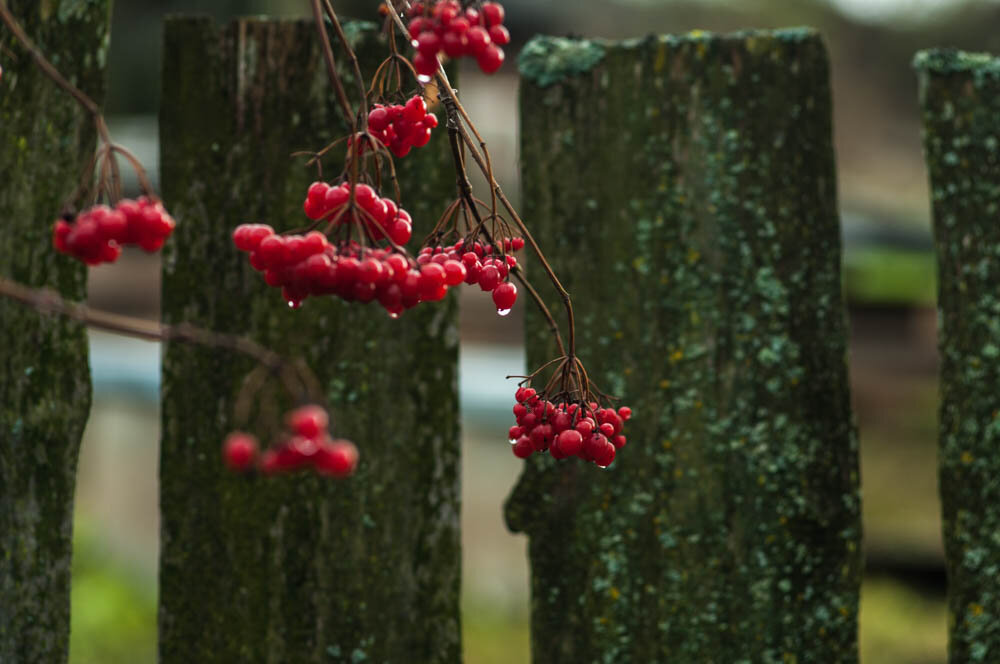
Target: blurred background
point(889, 279)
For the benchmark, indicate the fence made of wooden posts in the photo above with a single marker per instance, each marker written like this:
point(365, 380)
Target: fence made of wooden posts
point(685, 187)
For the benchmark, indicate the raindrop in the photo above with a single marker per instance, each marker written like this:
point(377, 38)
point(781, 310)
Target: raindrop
point(393, 316)
point(423, 79)
point(503, 312)
point(292, 304)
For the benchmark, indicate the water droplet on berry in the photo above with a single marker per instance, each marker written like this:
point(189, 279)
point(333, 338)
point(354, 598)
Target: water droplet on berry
point(503, 312)
point(423, 79)
point(292, 304)
point(394, 316)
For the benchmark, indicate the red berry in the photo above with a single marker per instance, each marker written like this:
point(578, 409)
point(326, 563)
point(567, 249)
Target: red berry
point(454, 44)
point(239, 450)
point(492, 13)
point(378, 118)
point(489, 278)
point(570, 442)
point(504, 296)
point(478, 39)
point(523, 448)
point(499, 35)
point(490, 59)
point(605, 454)
point(308, 421)
point(418, 26)
point(428, 43)
point(454, 272)
point(425, 65)
point(415, 109)
point(338, 458)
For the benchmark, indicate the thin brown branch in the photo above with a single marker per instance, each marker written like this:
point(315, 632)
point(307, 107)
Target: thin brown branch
point(331, 65)
point(355, 67)
point(48, 301)
point(460, 118)
point(49, 70)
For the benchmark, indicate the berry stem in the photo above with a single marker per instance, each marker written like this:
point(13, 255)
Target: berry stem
point(355, 67)
point(331, 65)
point(46, 300)
point(49, 70)
point(456, 115)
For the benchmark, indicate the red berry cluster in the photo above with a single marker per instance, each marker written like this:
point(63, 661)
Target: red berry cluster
point(307, 444)
point(443, 27)
point(382, 216)
point(304, 265)
point(591, 433)
point(475, 264)
point(97, 234)
point(401, 128)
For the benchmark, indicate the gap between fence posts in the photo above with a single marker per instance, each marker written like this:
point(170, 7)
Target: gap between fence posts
point(960, 104)
point(687, 187)
point(44, 375)
point(296, 569)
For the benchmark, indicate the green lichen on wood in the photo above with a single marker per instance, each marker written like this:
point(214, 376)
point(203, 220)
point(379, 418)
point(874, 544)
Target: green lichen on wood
point(296, 569)
point(686, 186)
point(44, 377)
point(960, 103)
point(548, 60)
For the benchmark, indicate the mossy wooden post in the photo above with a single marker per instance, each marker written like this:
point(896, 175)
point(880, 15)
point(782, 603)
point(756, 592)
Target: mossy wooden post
point(44, 376)
point(960, 101)
point(296, 569)
point(686, 188)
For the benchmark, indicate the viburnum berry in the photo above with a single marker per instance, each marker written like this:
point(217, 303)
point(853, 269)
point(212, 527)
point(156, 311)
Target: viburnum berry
point(504, 296)
point(564, 429)
point(97, 234)
point(239, 451)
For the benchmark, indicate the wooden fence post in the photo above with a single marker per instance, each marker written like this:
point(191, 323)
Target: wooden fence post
point(687, 186)
point(296, 569)
point(960, 102)
point(44, 376)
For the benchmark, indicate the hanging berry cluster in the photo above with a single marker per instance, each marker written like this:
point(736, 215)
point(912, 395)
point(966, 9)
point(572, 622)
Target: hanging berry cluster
point(97, 234)
point(306, 444)
point(444, 27)
point(564, 429)
point(402, 127)
point(472, 263)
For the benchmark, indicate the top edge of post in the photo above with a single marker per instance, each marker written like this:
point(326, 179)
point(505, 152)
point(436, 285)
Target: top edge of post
point(953, 61)
point(546, 60)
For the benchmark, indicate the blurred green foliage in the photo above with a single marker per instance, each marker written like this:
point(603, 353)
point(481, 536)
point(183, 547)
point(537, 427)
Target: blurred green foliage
point(880, 275)
point(113, 618)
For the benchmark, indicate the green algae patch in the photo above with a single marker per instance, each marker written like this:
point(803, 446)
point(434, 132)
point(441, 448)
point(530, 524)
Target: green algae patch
point(548, 60)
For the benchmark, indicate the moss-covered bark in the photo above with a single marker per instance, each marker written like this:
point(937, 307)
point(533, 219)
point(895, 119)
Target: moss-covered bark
point(685, 187)
point(960, 101)
point(296, 569)
point(45, 141)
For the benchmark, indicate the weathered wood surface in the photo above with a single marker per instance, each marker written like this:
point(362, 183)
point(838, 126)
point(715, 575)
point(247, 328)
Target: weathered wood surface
point(44, 376)
point(960, 103)
point(296, 569)
point(686, 189)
